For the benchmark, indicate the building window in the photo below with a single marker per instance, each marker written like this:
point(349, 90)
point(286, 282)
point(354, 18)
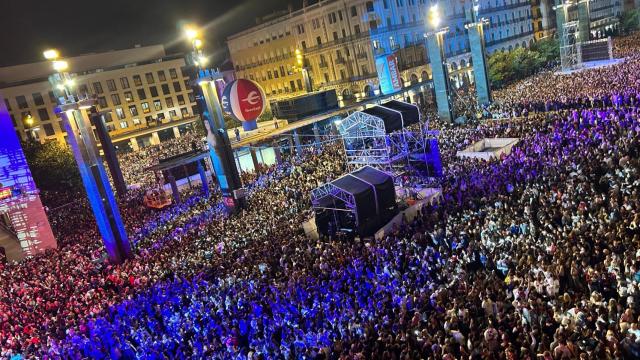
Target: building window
point(120, 113)
point(326, 77)
point(128, 96)
point(124, 82)
point(303, 44)
point(136, 121)
point(102, 102)
point(145, 108)
point(173, 114)
point(149, 77)
point(108, 117)
point(97, 88)
point(124, 124)
point(385, 3)
point(369, 6)
point(180, 100)
point(184, 111)
point(133, 110)
point(83, 89)
point(192, 98)
point(137, 80)
point(292, 84)
point(6, 102)
point(111, 85)
point(142, 94)
point(176, 86)
point(115, 99)
point(43, 114)
point(48, 129)
point(356, 29)
point(319, 40)
point(157, 105)
point(165, 89)
point(354, 11)
point(162, 76)
point(269, 75)
point(37, 99)
point(154, 91)
point(22, 102)
point(173, 73)
point(342, 76)
point(301, 29)
point(169, 102)
point(299, 84)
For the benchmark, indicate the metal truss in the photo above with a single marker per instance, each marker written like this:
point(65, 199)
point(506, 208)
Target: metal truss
point(335, 192)
point(569, 54)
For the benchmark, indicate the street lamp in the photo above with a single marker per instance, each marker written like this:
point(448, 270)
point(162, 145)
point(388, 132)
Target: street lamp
point(78, 124)
point(435, 48)
point(433, 17)
point(303, 69)
point(220, 151)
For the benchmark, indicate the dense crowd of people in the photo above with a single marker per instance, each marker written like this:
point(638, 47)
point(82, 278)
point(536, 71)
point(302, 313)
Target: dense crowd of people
point(533, 255)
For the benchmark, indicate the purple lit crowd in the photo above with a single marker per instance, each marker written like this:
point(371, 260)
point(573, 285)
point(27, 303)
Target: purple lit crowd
point(533, 255)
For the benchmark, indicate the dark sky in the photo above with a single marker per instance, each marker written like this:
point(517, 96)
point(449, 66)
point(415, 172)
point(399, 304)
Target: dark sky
point(75, 27)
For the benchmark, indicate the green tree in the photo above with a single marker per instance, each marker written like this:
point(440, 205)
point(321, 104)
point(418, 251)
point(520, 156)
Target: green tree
point(53, 166)
point(630, 21)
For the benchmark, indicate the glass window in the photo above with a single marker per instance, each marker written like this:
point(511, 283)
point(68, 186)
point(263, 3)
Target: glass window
point(128, 96)
point(173, 114)
point(120, 113)
point(165, 89)
point(124, 82)
point(176, 86)
point(154, 91)
point(162, 76)
point(37, 99)
point(180, 100)
point(102, 102)
point(115, 99)
point(48, 129)
point(108, 117)
point(133, 110)
point(149, 77)
point(354, 11)
point(43, 114)
point(157, 105)
point(192, 98)
point(184, 112)
point(22, 102)
point(52, 98)
point(97, 87)
point(145, 108)
point(169, 102)
point(137, 80)
point(111, 85)
point(173, 73)
point(124, 124)
point(142, 94)
point(136, 121)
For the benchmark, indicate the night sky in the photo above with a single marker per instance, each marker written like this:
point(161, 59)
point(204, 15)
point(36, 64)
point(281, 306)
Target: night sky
point(76, 27)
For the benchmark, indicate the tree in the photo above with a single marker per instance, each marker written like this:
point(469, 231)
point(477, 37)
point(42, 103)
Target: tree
point(507, 67)
point(630, 21)
point(53, 166)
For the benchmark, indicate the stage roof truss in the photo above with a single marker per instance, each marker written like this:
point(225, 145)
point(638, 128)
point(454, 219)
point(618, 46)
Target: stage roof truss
point(335, 192)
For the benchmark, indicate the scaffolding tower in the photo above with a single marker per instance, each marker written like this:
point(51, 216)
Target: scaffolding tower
point(569, 57)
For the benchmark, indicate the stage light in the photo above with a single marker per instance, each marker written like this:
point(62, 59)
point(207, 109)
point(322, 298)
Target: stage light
point(197, 43)
point(434, 16)
point(60, 65)
point(191, 32)
point(51, 54)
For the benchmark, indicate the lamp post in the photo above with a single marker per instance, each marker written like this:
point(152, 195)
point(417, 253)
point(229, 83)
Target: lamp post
point(475, 27)
point(435, 48)
point(304, 70)
point(75, 119)
point(220, 150)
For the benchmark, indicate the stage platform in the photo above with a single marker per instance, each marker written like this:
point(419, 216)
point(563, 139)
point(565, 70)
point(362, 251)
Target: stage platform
point(425, 196)
point(488, 148)
point(422, 196)
point(591, 65)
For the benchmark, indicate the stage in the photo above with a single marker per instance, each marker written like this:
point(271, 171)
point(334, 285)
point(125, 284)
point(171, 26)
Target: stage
point(588, 65)
point(422, 196)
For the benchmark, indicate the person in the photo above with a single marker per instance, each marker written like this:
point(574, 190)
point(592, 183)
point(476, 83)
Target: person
point(237, 132)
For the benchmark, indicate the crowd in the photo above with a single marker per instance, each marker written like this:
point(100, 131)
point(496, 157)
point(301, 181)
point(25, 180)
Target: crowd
point(533, 255)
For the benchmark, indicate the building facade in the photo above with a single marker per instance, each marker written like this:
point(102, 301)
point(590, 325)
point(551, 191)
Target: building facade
point(340, 39)
point(143, 92)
